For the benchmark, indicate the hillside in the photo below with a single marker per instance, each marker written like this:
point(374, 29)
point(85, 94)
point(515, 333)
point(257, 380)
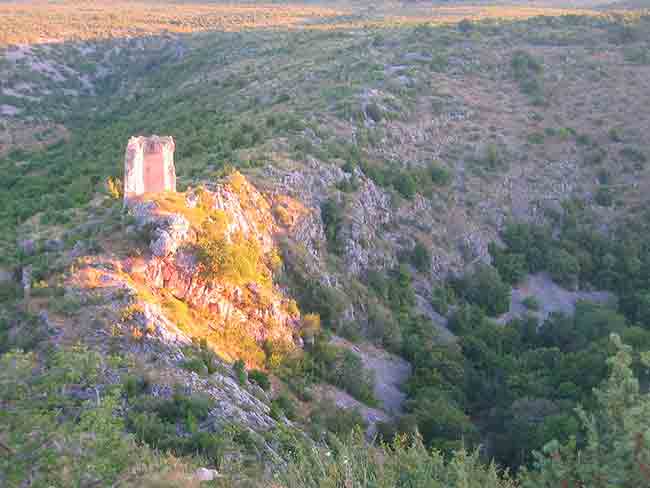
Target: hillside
point(423, 217)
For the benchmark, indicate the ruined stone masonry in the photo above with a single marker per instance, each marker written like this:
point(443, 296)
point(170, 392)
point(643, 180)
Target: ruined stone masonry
point(149, 165)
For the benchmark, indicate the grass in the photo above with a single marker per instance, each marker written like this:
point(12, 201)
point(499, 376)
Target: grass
point(229, 340)
point(175, 203)
point(37, 21)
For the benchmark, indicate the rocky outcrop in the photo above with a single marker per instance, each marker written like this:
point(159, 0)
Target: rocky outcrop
point(263, 319)
point(367, 214)
point(172, 265)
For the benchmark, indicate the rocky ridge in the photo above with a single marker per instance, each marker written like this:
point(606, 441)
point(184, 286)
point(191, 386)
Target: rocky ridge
point(155, 304)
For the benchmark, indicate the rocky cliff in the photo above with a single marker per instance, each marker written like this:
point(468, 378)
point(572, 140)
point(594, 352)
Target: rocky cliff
point(170, 267)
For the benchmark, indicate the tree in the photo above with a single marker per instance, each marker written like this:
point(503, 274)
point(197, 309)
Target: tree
point(616, 448)
point(486, 289)
point(332, 215)
point(564, 267)
point(421, 257)
point(406, 185)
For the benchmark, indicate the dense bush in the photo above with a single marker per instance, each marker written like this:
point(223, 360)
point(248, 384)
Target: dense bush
point(421, 257)
point(311, 294)
point(327, 417)
point(239, 368)
point(439, 175)
point(260, 378)
point(332, 215)
point(485, 288)
point(239, 260)
point(404, 463)
point(527, 251)
point(616, 448)
point(42, 425)
point(527, 71)
point(283, 405)
point(342, 368)
point(406, 184)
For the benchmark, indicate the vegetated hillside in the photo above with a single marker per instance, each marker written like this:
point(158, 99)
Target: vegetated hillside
point(401, 177)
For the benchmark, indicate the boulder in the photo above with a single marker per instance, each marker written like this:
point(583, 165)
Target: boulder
point(53, 245)
point(6, 276)
point(163, 244)
point(27, 247)
point(205, 474)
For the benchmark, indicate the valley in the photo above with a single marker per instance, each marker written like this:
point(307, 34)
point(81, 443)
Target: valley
point(398, 232)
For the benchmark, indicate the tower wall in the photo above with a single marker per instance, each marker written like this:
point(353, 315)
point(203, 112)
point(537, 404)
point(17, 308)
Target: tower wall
point(149, 166)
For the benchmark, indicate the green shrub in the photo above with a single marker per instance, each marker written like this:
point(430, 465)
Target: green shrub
point(196, 365)
point(527, 251)
point(260, 378)
point(284, 405)
point(442, 297)
point(239, 260)
point(615, 134)
point(634, 154)
point(35, 415)
point(564, 267)
point(348, 185)
point(465, 26)
point(342, 368)
point(332, 215)
point(439, 63)
point(485, 288)
point(181, 407)
point(201, 359)
point(527, 71)
point(374, 112)
point(134, 385)
point(531, 303)
point(439, 175)
point(637, 55)
point(239, 368)
point(420, 257)
point(523, 63)
point(327, 417)
point(406, 463)
point(604, 196)
point(405, 184)
point(312, 295)
point(383, 327)
point(615, 445)
point(512, 267)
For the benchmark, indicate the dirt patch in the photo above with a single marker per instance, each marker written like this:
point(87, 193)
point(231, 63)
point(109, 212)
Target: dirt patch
point(342, 400)
point(9, 110)
point(425, 308)
point(391, 372)
point(550, 296)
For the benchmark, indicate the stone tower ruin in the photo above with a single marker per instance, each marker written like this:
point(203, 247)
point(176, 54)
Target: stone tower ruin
point(149, 166)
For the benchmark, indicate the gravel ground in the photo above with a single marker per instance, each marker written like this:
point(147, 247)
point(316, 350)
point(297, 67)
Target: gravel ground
point(550, 296)
point(390, 373)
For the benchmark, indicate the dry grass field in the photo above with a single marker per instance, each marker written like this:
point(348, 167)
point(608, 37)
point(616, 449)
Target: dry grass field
point(45, 22)
point(42, 21)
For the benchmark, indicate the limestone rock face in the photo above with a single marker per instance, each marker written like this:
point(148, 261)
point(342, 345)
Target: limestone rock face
point(171, 232)
point(149, 166)
point(262, 318)
point(172, 264)
point(368, 212)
